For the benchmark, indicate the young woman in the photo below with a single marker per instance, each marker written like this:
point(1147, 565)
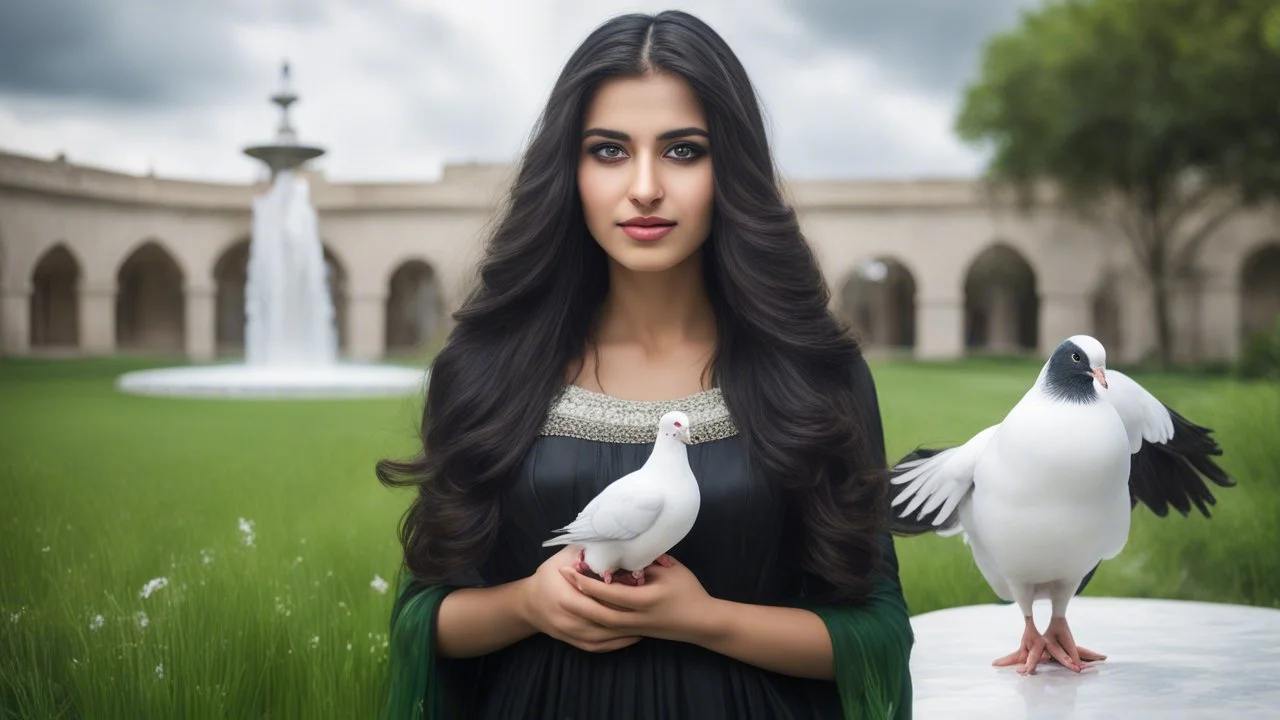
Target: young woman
point(647, 262)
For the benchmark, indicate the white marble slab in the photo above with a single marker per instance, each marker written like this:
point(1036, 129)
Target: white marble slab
point(1165, 659)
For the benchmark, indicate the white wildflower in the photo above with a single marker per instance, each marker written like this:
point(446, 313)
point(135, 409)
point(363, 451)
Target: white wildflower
point(46, 548)
point(141, 617)
point(152, 586)
point(160, 671)
point(348, 647)
point(206, 556)
point(315, 641)
point(379, 584)
point(246, 527)
point(96, 622)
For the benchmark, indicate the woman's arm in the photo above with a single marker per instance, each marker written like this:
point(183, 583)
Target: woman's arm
point(478, 621)
point(791, 641)
point(672, 605)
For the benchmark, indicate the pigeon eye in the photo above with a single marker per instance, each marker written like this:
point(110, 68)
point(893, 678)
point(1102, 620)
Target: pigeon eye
point(1075, 357)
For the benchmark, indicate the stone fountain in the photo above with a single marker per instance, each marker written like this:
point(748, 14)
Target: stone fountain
point(291, 340)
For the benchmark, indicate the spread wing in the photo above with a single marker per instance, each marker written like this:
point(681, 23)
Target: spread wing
point(1172, 456)
point(936, 482)
point(620, 512)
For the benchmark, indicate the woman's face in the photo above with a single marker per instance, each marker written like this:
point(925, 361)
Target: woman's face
point(645, 172)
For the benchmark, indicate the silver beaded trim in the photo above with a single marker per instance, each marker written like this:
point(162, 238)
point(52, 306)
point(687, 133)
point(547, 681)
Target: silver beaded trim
point(588, 415)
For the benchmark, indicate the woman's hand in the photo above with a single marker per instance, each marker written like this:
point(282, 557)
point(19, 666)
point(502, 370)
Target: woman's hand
point(553, 605)
point(671, 605)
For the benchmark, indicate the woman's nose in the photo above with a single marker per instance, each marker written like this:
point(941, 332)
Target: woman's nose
point(646, 183)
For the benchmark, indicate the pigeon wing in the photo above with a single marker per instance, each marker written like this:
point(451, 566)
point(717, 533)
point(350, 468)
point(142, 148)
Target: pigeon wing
point(619, 512)
point(1172, 456)
point(936, 482)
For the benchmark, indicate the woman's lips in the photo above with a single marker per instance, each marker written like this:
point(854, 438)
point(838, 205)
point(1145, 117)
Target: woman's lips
point(646, 233)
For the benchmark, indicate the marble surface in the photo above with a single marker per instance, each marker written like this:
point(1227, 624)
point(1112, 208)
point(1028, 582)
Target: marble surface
point(1165, 659)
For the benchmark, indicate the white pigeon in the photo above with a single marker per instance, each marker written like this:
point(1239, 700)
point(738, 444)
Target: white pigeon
point(637, 518)
point(1046, 495)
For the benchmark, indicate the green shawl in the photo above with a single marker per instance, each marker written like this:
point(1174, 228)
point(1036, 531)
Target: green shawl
point(872, 642)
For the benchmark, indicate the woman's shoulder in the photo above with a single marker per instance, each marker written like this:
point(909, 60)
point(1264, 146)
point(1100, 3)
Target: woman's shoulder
point(589, 415)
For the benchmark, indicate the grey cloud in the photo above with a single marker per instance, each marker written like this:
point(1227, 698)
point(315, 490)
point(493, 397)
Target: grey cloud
point(473, 117)
point(137, 52)
point(933, 44)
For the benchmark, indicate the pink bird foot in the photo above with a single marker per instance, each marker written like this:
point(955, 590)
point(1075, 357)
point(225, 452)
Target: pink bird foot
point(635, 577)
point(1062, 646)
point(1056, 644)
point(1029, 651)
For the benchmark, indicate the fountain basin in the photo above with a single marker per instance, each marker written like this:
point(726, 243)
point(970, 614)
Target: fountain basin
point(340, 380)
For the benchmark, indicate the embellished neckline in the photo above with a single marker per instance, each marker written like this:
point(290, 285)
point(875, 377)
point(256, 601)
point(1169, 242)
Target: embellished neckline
point(692, 398)
point(592, 415)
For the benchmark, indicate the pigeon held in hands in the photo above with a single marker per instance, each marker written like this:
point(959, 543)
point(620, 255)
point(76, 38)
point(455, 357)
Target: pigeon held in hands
point(640, 516)
point(1043, 497)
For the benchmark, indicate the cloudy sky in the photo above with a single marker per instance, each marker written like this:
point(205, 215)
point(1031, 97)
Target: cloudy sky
point(394, 89)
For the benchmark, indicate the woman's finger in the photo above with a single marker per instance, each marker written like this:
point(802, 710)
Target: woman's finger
point(594, 612)
point(611, 645)
point(623, 596)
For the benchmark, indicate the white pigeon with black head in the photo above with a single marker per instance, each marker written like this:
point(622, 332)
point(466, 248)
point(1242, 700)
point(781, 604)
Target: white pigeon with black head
point(640, 516)
point(1046, 495)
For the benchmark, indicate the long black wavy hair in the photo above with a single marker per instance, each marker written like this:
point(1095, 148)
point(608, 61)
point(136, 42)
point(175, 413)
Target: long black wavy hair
point(784, 363)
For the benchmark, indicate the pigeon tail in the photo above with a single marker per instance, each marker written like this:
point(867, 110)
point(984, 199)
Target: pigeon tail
point(1088, 576)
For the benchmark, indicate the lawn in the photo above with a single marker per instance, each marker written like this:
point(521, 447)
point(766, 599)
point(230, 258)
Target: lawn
point(271, 533)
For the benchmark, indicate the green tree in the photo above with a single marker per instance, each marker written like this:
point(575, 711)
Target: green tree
point(1154, 120)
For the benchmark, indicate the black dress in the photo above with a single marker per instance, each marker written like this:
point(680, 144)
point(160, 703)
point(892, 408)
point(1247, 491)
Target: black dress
point(742, 548)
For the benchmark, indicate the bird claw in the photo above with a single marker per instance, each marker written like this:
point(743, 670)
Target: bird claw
point(1029, 652)
point(1055, 645)
point(634, 578)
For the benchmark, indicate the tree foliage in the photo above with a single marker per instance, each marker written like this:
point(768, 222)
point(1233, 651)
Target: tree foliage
point(1156, 118)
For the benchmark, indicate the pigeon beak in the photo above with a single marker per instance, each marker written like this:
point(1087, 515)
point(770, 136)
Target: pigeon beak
point(1100, 375)
point(685, 438)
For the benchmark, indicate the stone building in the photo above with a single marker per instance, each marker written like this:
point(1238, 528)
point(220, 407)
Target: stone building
point(99, 262)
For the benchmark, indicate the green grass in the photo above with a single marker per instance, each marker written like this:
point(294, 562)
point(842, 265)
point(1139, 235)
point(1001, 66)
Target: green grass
point(101, 492)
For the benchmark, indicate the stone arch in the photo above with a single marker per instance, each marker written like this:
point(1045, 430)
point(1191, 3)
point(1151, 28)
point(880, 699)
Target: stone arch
point(150, 306)
point(879, 299)
point(1260, 291)
point(336, 277)
point(415, 306)
point(1106, 307)
point(55, 299)
point(230, 275)
point(1001, 302)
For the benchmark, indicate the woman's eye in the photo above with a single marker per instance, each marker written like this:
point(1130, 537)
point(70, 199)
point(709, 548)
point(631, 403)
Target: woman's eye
point(686, 152)
point(608, 152)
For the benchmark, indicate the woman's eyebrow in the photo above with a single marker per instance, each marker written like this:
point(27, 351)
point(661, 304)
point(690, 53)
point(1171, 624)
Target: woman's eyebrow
point(668, 135)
